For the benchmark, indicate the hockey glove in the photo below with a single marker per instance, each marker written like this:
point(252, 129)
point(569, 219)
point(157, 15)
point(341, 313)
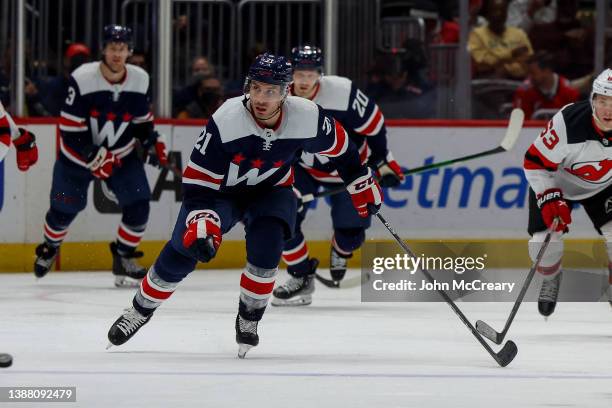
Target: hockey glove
point(202, 237)
point(388, 172)
point(552, 205)
point(157, 152)
point(102, 163)
point(365, 192)
point(27, 151)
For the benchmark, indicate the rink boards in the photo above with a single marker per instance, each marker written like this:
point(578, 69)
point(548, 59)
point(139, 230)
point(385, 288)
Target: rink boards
point(480, 200)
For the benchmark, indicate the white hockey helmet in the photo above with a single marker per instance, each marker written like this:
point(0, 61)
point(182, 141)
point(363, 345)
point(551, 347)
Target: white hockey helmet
point(602, 85)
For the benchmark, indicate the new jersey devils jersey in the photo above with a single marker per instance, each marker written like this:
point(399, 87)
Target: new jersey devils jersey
point(358, 114)
point(571, 154)
point(234, 154)
point(8, 132)
point(98, 113)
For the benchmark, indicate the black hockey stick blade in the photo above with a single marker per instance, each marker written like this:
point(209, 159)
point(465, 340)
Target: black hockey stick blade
point(506, 354)
point(513, 132)
point(488, 332)
point(345, 283)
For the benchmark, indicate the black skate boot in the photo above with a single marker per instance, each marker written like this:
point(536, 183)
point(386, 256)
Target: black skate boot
point(337, 264)
point(548, 295)
point(45, 258)
point(126, 326)
point(128, 273)
point(246, 335)
point(297, 291)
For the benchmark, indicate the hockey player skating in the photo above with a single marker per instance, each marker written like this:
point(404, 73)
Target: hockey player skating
point(571, 162)
point(364, 123)
point(27, 156)
point(241, 170)
point(105, 114)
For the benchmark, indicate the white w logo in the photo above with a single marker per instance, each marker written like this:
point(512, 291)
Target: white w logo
point(252, 176)
point(107, 132)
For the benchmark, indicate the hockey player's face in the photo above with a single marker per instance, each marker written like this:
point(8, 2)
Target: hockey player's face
point(116, 55)
point(603, 110)
point(304, 81)
point(265, 98)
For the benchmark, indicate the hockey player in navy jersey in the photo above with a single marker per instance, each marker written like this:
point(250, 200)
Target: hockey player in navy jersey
point(571, 162)
point(364, 123)
point(241, 169)
point(24, 141)
point(105, 114)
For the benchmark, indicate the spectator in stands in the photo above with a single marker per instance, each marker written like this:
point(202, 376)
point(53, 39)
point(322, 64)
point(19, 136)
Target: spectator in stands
point(209, 96)
point(544, 89)
point(525, 13)
point(497, 50)
point(200, 68)
point(139, 59)
point(48, 101)
point(399, 95)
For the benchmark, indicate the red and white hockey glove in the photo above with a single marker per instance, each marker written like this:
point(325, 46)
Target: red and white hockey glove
point(202, 238)
point(27, 151)
point(552, 205)
point(157, 155)
point(365, 192)
point(388, 172)
point(102, 164)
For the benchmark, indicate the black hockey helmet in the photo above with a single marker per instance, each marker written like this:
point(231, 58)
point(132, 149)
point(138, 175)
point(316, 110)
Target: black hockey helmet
point(270, 69)
point(117, 33)
point(307, 57)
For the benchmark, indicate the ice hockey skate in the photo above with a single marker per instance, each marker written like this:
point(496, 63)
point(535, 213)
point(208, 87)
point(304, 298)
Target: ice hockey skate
point(337, 264)
point(297, 291)
point(548, 295)
point(126, 326)
point(45, 258)
point(246, 335)
point(128, 273)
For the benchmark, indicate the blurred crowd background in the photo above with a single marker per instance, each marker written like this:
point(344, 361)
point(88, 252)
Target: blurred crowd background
point(535, 54)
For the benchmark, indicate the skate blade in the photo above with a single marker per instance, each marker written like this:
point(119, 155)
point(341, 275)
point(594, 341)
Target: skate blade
point(125, 282)
point(300, 301)
point(243, 349)
point(109, 345)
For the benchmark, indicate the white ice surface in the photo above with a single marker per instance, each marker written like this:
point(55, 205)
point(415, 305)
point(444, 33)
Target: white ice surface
point(338, 352)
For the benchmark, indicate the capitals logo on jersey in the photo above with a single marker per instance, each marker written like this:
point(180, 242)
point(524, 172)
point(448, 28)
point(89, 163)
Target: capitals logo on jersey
point(596, 172)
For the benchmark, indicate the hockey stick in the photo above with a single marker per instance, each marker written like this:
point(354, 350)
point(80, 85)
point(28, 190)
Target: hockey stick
point(344, 283)
point(497, 337)
point(508, 351)
point(512, 133)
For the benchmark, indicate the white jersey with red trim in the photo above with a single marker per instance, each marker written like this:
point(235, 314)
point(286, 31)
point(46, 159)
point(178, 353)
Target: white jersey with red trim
point(359, 115)
point(571, 154)
point(235, 154)
point(8, 131)
point(97, 113)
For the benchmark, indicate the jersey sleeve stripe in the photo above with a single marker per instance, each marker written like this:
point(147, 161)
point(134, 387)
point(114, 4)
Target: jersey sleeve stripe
point(71, 154)
point(534, 160)
point(373, 123)
point(340, 145)
point(72, 118)
point(205, 171)
point(142, 119)
point(287, 179)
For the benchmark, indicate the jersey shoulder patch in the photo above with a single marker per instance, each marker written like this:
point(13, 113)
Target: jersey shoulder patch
point(300, 119)
point(577, 118)
point(233, 120)
point(334, 93)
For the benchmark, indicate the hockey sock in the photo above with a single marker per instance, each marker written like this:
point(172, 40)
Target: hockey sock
point(550, 265)
point(132, 226)
point(56, 226)
point(347, 240)
point(152, 292)
point(295, 256)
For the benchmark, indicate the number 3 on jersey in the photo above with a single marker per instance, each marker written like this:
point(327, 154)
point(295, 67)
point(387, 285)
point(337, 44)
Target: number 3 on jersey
point(202, 147)
point(549, 136)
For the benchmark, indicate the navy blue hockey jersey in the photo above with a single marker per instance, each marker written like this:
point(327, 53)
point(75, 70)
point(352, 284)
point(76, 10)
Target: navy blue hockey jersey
point(234, 154)
point(98, 113)
point(358, 114)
